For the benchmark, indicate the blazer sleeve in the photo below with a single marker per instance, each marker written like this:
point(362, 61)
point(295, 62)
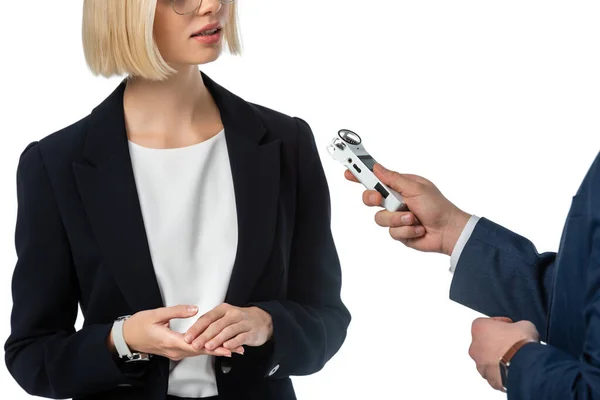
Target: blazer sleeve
point(545, 372)
point(43, 353)
point(500, 273)
point(309, 327)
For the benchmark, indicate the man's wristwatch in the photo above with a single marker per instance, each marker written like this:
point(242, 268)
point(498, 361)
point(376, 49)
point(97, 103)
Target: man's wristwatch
point(121, 346)
point(506, 359)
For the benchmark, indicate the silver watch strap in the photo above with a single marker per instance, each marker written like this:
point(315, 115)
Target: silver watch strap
point(119, 340)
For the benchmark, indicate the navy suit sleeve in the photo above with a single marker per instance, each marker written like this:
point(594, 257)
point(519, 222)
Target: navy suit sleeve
point(310, 326)
point(44, 354)
point(545, 372)
point(500, 273)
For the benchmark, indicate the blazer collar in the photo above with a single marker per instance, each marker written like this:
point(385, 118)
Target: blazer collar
point(107, 137)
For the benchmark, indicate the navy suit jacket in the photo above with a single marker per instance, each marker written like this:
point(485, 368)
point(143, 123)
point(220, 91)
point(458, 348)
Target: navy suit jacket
point(500, 273)
point(80, 240)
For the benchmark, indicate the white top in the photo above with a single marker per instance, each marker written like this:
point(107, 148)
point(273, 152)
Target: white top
point(188, 206)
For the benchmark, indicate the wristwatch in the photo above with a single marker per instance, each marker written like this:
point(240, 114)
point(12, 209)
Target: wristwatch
point(121, 346)
point(506, 359)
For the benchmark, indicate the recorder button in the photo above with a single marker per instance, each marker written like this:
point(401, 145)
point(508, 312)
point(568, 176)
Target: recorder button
point(381, 190)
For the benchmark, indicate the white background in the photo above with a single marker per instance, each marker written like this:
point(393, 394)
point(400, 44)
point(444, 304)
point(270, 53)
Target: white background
point(496, 102)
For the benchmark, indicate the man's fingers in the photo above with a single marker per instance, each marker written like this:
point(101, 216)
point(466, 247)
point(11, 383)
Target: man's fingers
point(503, 319)
point(350, 176)
point(404, 233)
point(393, 179)
point(388, 219)
point(164, 314)
point(372, 198)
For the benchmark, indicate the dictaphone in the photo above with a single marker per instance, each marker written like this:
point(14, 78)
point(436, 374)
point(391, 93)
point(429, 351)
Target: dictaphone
point(347, 148)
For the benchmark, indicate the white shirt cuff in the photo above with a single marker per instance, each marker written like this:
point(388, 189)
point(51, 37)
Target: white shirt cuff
point(462, 241)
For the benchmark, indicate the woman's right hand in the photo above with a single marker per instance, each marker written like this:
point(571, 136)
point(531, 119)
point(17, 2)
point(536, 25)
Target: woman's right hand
point(148, 332)
point(433, 223)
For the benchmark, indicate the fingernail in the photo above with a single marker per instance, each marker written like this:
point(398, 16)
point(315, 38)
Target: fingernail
point(406, 219)
point(373, 198)
point(382, 168)
point(419, 230)
point(196, 345)
point(192, 309)
point(188, 339)
point(209, 346)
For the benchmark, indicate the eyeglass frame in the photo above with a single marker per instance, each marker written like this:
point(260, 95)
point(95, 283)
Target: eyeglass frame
point(198, 6)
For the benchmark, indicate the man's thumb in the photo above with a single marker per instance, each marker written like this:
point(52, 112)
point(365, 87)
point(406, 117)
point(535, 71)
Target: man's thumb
point(393, 179)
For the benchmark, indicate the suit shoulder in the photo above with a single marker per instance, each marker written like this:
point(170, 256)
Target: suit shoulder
point(277, 121)
point(57, 148)
point(65, 143)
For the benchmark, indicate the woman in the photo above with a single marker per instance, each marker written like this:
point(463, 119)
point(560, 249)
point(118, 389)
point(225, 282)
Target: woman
point(190, 226)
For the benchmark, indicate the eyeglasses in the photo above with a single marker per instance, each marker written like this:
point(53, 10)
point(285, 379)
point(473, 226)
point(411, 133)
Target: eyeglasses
point(183, 7)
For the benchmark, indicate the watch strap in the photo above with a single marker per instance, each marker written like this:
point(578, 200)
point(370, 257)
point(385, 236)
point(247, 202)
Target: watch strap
point(117, 335)
point(507, 357)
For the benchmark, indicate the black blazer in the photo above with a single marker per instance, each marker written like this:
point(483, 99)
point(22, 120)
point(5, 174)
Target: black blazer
point(80, 239)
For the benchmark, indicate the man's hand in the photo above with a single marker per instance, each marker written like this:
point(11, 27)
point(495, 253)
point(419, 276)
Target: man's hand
point(230, 327)
point(492, 338)
point(433, 223)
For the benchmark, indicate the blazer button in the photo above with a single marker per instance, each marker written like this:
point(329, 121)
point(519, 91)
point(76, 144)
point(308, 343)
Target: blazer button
point(275, 368)
point(225, 367)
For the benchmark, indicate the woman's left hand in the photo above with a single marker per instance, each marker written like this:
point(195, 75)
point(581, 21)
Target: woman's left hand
point(230, 327)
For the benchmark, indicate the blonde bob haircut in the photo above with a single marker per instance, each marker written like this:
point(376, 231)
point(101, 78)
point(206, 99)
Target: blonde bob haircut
point(118, 38)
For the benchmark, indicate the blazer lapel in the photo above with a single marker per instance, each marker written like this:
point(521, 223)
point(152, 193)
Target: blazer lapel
point(256, 171)
point(107, 187)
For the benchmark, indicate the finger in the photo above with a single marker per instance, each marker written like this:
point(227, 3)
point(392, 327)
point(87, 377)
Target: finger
point(503, 319)
point(203, 323)
point(496, 384)
point(175, 346)
point(226, 334)
point(478, 325)
point(393, 179)
point(171, 344)
point(164, 314)
point(219, 351)
point(405, 233)
point(492, 375)
point(387, 218)
point(372, 198)
point(350, 176)
point(231, 317)
point(481, 371)
point(238, 341)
